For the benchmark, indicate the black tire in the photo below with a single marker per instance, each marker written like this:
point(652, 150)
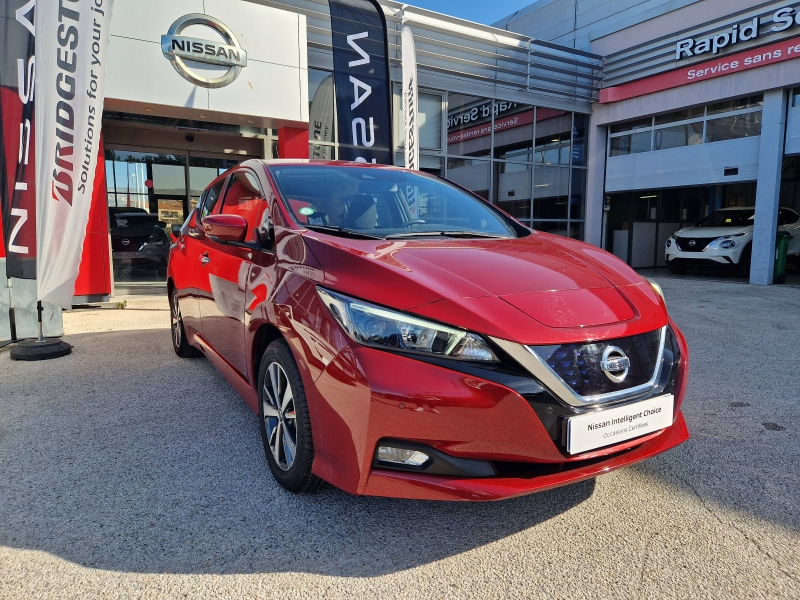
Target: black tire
point(676, 269)
point(283, 420)
point(179, 343)
point(743, 266)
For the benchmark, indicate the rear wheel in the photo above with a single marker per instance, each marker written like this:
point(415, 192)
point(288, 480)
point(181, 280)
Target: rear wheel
point(179, 343)
point(284, 421)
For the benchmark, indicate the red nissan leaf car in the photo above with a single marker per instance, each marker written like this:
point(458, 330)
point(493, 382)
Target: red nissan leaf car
point(399, 336)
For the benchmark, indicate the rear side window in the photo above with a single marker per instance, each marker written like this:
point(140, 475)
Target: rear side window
point(211, 197)
point(244, 198)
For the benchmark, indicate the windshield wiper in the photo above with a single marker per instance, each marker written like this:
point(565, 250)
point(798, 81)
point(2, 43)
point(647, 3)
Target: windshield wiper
point(464, 234)
point(343, 231)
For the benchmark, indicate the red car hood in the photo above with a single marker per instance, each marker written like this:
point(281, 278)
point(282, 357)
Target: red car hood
point(533, 289)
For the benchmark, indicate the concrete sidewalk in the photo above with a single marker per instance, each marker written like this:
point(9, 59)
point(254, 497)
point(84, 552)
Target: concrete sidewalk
point(126, 472)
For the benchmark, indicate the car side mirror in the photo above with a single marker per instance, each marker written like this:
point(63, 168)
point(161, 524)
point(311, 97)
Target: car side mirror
point(225, 228)
point(162, 224)
point(176, 230)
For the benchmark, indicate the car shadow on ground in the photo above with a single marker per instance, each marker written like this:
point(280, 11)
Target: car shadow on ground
point(123, 457)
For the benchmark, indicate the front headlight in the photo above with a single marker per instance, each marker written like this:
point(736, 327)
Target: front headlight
point(373, 325)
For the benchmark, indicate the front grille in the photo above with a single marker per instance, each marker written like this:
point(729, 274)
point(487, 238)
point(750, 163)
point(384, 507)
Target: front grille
point(685, 244)
point(579, 364)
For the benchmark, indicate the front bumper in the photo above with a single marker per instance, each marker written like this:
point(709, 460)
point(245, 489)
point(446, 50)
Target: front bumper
point(709, 257)
point(367, 395)
point(430, 487)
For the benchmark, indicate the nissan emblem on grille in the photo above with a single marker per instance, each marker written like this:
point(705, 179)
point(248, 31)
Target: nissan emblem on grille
point(692, 242)
point(615, 364)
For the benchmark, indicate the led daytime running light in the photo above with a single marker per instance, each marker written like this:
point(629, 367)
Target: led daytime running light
point(372, 325)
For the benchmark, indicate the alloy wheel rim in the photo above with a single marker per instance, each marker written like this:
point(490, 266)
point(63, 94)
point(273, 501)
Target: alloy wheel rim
point(280, 418)
point(176, 322)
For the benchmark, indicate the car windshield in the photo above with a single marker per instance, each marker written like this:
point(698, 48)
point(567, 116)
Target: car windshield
point(729, 218)
point(384, 203)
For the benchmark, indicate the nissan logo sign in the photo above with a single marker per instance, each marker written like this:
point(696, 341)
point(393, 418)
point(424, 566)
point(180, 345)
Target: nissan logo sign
point(178, 49)
point(615, 364)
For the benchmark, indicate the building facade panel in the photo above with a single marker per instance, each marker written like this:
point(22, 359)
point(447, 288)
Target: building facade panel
point(677, 167)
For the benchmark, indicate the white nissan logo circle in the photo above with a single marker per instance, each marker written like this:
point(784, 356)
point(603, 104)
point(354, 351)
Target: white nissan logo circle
point(178, 49)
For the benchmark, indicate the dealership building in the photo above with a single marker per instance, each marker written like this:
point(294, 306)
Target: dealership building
point(699, 109)
point(613, 122)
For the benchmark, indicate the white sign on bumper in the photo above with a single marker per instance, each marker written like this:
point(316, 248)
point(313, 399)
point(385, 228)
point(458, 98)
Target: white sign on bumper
point(615, 425)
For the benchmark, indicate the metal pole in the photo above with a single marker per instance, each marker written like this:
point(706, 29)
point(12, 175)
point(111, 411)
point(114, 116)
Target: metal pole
point(39, 310)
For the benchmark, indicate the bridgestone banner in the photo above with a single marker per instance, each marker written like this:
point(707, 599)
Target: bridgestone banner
point(71, 47)
point(17, 147)
point(361, 74)
point(410, 100)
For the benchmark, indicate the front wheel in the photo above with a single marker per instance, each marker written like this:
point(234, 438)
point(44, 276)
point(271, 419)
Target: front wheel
point(284, 421)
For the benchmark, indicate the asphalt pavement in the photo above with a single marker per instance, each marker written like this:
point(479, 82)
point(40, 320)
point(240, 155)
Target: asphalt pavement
point(126, 472)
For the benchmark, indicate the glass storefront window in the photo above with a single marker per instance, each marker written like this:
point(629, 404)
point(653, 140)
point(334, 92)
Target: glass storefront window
point(669, 206)
point(576, 230)
point(550, 190)
point(427, 163)
point(512, 188)
point(731, 128)
point(681, 115)
point(631, 125)
point(146, 192)
point(321, 115)
point(429, 119)
point(577, 194)
point(630, 144)
point(646, 206)
point(736, 104)
point(513, 131)
point(554, 227)
point(469, 125)
point(744, 122)
point(580, 126)
point(553, 136)
point(678, 136)
point(471, 174)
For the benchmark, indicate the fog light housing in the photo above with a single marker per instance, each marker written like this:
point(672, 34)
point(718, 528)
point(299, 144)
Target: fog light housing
point(401, 456)
point(669, 243)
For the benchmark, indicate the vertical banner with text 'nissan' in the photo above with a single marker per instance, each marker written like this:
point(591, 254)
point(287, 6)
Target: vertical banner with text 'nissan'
point(71, 48)
point(361, 74)
point(17, 156)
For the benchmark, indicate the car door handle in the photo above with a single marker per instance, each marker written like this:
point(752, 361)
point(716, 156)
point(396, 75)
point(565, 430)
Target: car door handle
point(204, 259)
